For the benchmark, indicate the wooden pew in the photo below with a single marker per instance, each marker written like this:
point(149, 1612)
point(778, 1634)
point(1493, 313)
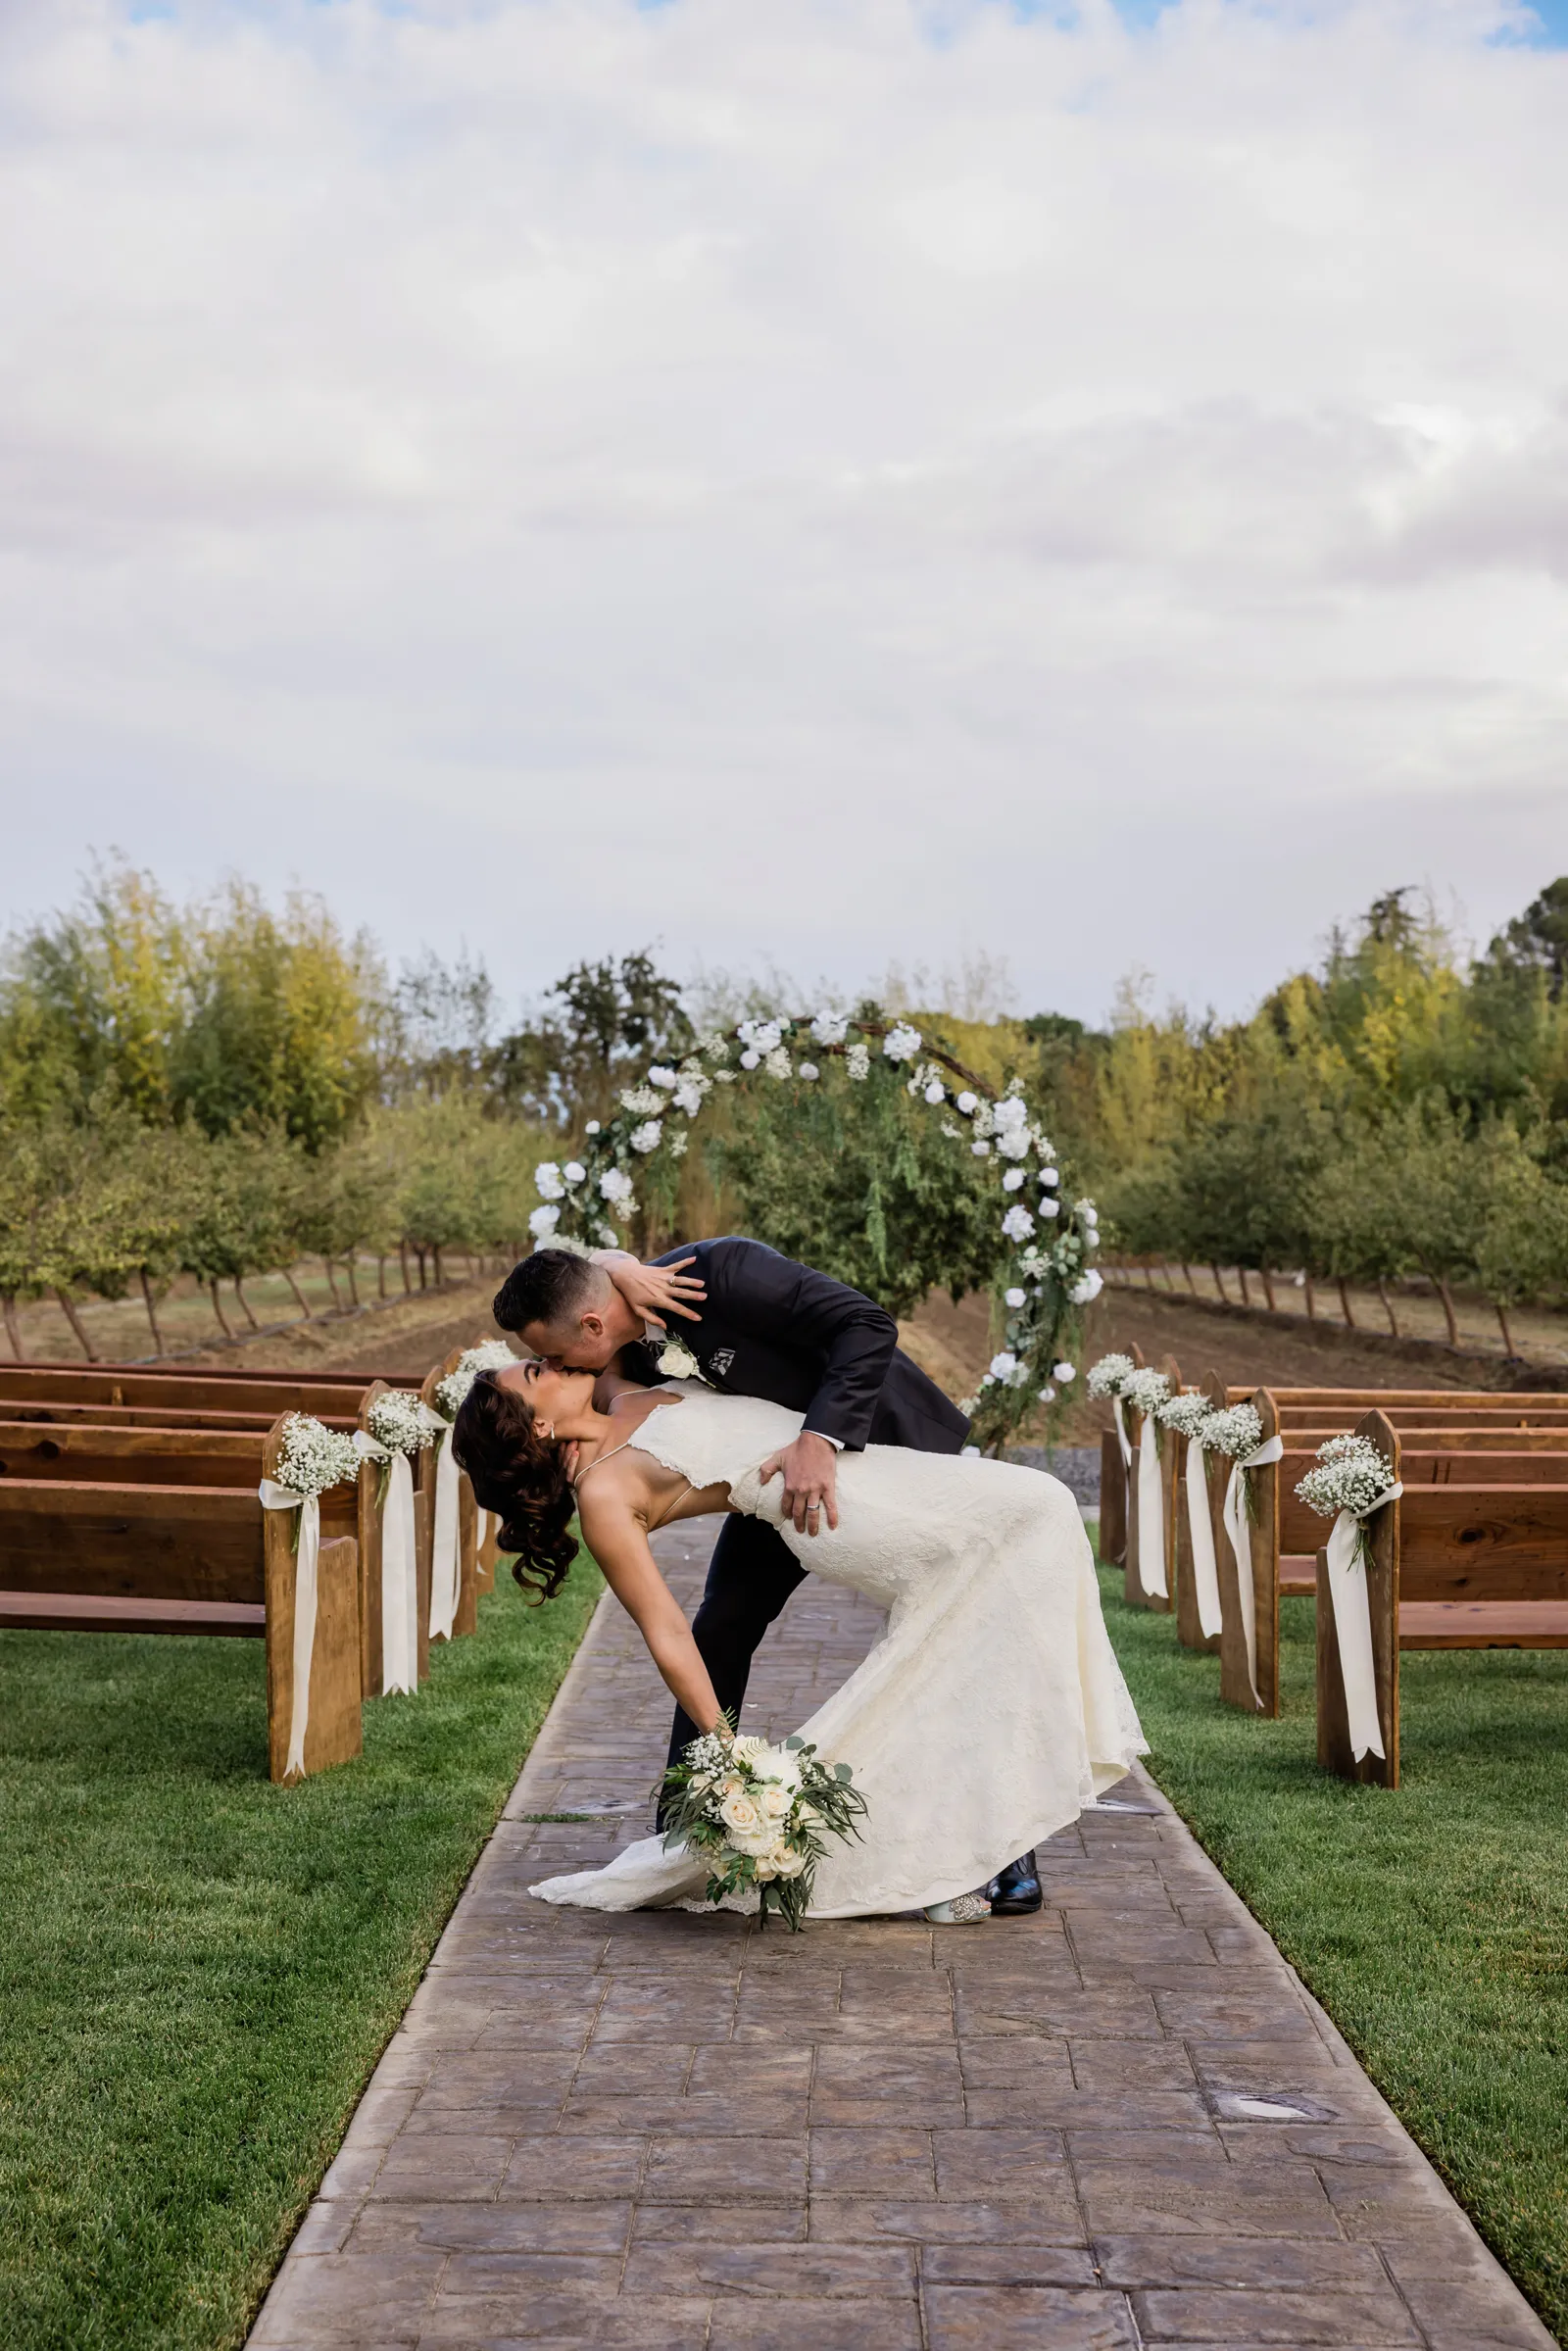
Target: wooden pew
point(1235, 1681)
point(172, 1538)
point(1479, 1566)
point(1114, 1499)
point(1141, 1424)
point(175, 1395)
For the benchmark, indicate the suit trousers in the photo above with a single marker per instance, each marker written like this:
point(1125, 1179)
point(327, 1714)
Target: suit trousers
point(751, 1576)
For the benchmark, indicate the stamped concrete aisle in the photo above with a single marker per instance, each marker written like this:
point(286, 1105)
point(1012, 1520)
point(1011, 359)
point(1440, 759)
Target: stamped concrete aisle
point(1120, 2122)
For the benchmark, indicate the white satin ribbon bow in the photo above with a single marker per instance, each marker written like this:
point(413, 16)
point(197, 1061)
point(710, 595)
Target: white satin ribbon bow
point(1353, 1628)
point(1201, 1534)
point(1151, 1512)
point(1239, 1529)
point(400, 1573)
point(273, 1496)
point(445, 1566)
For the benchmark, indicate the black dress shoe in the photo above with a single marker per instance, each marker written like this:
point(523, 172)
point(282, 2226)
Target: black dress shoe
point(1014, 1892)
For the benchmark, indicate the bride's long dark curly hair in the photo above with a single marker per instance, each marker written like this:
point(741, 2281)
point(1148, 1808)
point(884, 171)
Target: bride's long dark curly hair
point(516, 1473)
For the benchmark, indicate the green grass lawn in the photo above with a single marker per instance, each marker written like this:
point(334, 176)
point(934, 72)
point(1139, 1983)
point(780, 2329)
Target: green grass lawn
point(197, 1970)
point(1431, 1923)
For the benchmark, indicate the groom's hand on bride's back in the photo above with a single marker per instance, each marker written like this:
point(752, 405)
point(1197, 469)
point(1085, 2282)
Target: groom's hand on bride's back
point(809, 1468)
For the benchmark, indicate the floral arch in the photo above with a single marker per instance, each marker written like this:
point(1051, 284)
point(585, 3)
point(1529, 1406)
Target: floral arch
point(1047, 1278)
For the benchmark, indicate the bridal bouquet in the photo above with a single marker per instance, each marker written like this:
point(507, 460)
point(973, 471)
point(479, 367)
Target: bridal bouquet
point(758, 1815)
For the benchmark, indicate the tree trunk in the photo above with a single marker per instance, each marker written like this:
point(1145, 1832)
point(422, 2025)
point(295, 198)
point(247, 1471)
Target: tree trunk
point(380, 1274)
point(1267, 1280)
point(1449, 1314)
point(152, 1313)
point(1503, 1325)
point(420, 1253)
point(332, 1282)
point(8, 1307)
point(353, 1286)
point(245, 1303)
point(218, 1309)
point(300, 1298)
point(440, 1275)
point(1219, 1282)
point(1188, 1271)
point(68, 1309)
point(1344, 1305)
point(403, 1261)
point(1387, 1307)
point(1311, 1301)
point(1240, 1275)
point(1148, 1273)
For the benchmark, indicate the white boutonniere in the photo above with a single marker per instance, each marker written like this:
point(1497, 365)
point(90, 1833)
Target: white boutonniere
point(677, 1362)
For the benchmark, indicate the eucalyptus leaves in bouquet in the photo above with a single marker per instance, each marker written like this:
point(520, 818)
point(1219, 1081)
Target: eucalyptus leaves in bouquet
point(1007, 1225)
point(760, 1816)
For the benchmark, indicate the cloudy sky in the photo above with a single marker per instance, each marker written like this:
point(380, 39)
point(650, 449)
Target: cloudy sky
point(819, 480)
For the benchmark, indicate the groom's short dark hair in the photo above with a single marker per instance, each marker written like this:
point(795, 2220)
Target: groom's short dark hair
point(551, 1287)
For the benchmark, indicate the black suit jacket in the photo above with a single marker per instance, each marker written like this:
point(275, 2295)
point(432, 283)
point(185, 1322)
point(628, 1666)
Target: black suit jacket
point(775, 1329)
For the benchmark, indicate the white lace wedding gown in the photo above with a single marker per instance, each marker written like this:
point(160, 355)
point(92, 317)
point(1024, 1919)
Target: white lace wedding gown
point(990, 1712)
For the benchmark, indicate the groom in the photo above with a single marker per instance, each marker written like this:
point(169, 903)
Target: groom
point(762, 1326)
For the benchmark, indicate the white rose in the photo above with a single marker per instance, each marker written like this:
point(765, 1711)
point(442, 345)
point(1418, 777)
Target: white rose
point(592, 1128)
point(1013, 1178)
point(738, 1814)
point(981, 1151)
point(614, 1184)
point(784, 1861)
point(971, 1453)
point(1013, 1143)
point(1013, 1297)
point(775, 1802)
point(830, 1028)
point(968, 1103)
point(1047, 1396)
point(749, 1058)
point(810, 1072)
point(574, 1171)
point(1004, 1366)
point(547, 1180)
point(543, 1222)
point(688, 1098)
point(1065, 1373)
point(901, 1043)
point(1017, 1224)
point(936, 1092)
point(1049, 1207)
point(1050, 1176)
point(749, 1749)
point(647, 1136)
point(677, 1362)
point(663, 1077)
point(1087, 1287)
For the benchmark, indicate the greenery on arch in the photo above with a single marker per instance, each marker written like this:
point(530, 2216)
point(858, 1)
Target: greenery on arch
point(871, 1152)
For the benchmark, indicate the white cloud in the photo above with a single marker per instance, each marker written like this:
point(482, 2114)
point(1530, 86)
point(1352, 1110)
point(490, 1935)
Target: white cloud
point(803, 480)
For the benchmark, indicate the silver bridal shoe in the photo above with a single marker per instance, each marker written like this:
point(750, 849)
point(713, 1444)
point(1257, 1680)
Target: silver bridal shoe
point(965, 1910)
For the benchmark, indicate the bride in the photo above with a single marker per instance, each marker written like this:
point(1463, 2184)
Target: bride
point(987, 1715)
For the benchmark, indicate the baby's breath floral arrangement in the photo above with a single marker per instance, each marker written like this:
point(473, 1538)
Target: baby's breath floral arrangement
point(398, 1421)
point(760, 1817)
point(1350, 1475)
point(1048, 1275)
point(311, 1457)
point(492, 1355)
point(1236, 1429)
point(1109, 1375)
point(1185, 1412)
point(1145, 1390)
